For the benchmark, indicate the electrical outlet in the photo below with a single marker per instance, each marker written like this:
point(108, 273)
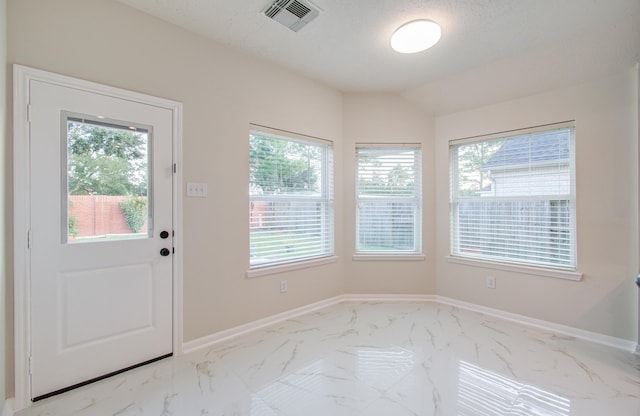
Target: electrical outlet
point(283, 286)
point(491, 282)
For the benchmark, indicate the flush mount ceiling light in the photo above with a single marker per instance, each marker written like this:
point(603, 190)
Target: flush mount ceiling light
point(415, 36)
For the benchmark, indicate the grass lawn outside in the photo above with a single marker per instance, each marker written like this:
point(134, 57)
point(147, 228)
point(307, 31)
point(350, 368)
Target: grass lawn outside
point(274, 245)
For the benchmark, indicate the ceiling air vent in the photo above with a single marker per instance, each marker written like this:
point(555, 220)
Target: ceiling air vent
point(294, 14)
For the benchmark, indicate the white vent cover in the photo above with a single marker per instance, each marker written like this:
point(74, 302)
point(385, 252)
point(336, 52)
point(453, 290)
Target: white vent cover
point(294, 14)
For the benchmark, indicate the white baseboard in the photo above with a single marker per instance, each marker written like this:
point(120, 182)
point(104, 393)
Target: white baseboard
point(387, 298)
point(7, 409)
point(595, 337)
point(230, 333)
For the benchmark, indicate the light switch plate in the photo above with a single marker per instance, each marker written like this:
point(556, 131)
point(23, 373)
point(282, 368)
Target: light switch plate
point(197, 189)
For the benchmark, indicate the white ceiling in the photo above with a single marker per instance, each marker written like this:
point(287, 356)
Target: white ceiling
point(488, 47)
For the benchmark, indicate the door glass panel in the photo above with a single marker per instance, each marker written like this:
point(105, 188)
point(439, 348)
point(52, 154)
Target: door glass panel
point(106, 183)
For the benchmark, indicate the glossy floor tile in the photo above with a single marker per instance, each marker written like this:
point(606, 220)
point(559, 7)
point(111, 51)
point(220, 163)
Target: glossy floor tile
point(375, 359)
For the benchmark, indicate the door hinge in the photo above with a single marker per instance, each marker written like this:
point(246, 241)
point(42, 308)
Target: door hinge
point(29, 113)
point(28, 238)
point(30, 364)
point(175, 168)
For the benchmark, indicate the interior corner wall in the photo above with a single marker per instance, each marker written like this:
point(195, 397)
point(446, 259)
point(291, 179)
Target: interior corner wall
point(388, 118)
point(605, 300)
point(222, 91)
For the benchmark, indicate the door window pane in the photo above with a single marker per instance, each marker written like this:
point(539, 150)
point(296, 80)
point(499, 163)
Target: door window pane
point(106, 180)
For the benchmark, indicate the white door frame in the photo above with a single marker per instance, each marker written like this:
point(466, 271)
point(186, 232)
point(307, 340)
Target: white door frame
point(22, 76)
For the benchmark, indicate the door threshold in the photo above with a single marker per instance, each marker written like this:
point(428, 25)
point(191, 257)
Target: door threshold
point(93, 380)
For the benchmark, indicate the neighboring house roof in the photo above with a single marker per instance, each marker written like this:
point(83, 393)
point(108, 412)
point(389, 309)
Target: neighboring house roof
point(515, 152)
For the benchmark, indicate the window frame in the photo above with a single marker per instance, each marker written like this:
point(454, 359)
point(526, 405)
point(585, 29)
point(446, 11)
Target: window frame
point(415, 200)
point(325, 200)
point(567, 271)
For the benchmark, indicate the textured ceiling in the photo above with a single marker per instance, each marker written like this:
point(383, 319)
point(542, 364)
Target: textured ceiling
point(347, 46)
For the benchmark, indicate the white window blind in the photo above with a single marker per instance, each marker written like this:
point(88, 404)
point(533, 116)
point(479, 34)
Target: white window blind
point(291, 198)
point(513, 198)
point(388, 193)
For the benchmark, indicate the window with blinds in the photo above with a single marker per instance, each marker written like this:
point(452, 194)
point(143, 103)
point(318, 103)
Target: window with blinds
point(388, 193)
point(513, 197)
point(291, 198)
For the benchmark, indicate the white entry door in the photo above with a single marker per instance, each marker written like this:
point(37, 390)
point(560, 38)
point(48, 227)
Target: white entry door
point(100, 237)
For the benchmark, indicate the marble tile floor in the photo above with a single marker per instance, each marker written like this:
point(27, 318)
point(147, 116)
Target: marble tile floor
point(375, 359)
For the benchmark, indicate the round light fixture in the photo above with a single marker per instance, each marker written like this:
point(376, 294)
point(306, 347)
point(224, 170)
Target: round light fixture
point(415, 36)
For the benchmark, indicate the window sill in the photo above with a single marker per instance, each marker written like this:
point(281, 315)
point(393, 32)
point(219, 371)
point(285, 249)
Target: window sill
point(388, 257)
point(538, 271)
point(281, 268)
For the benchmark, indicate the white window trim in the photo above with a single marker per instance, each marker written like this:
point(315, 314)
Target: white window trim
point(388, 257)
point(287, 267)
point(289, 134)
point(517, 268)
point(507, 133)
